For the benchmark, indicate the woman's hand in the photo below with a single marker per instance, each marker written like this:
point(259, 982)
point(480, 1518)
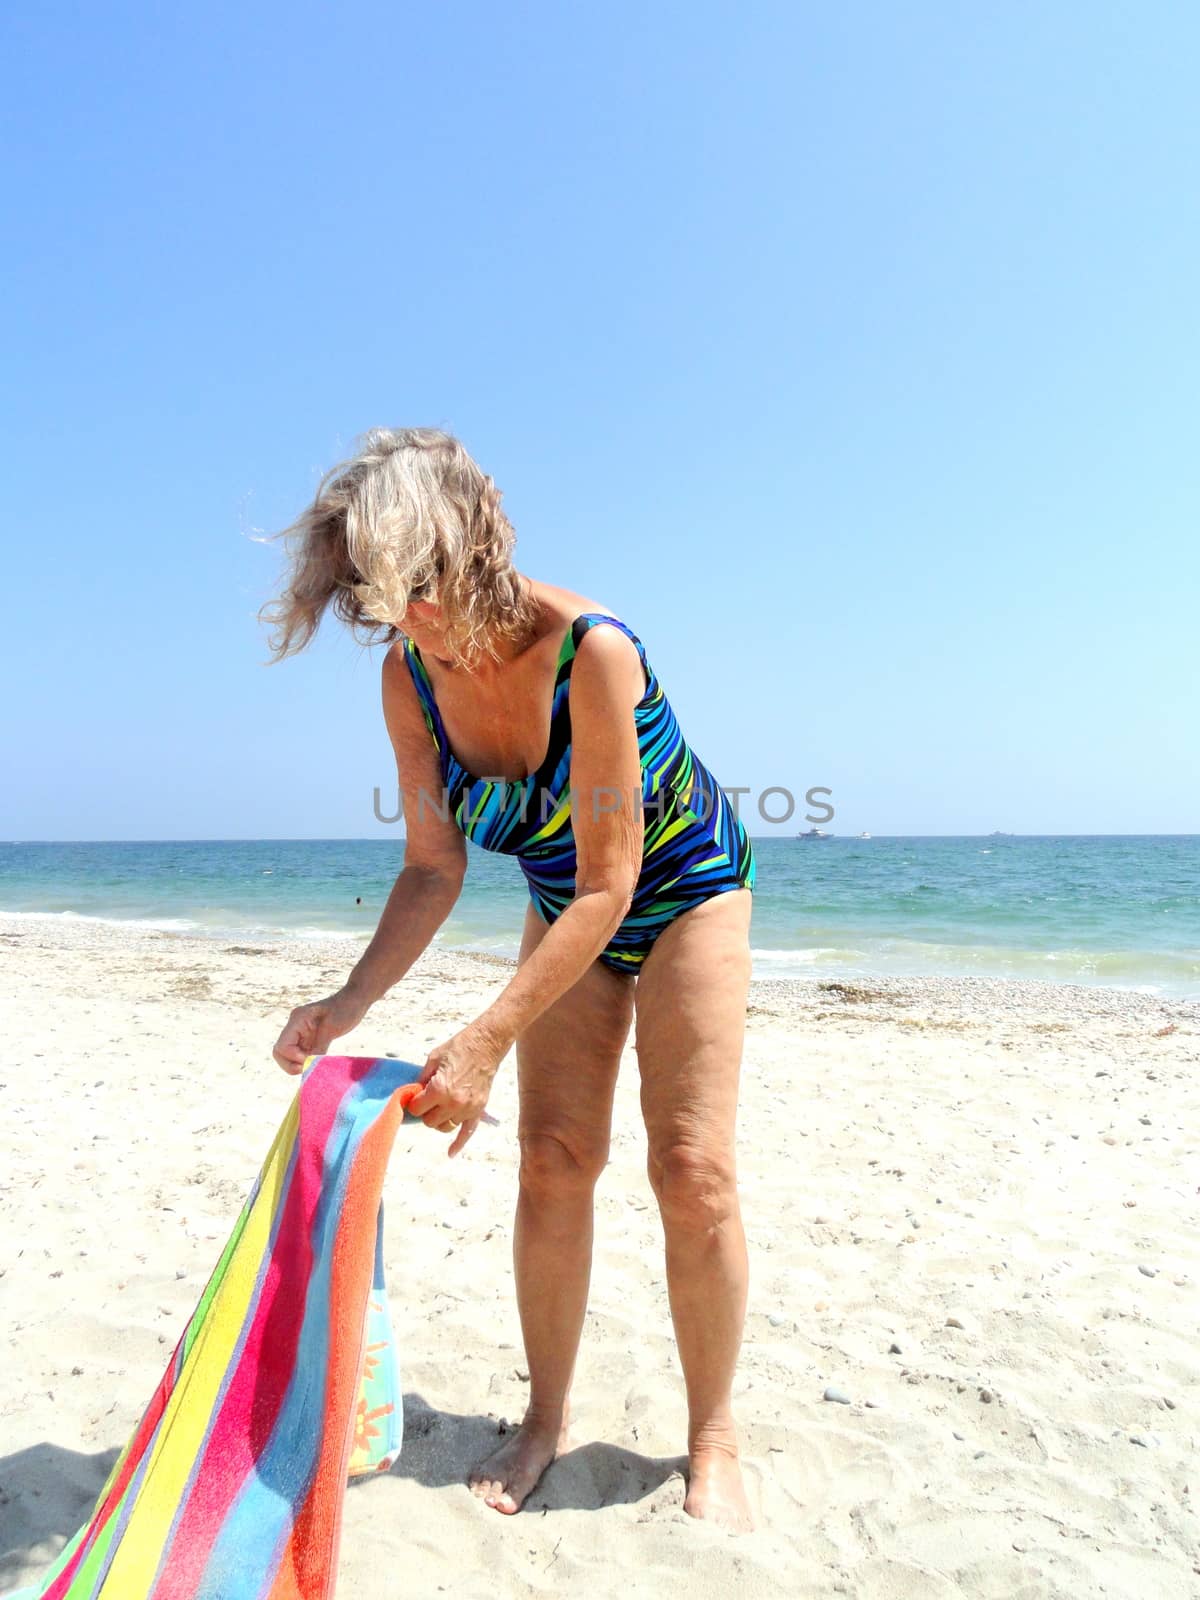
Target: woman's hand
point(457, 1081)
point(311, 1029)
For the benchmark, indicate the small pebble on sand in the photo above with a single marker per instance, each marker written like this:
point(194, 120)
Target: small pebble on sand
point(837, 1396)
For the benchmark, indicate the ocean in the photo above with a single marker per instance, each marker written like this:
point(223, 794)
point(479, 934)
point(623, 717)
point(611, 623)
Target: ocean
point(1123, 911)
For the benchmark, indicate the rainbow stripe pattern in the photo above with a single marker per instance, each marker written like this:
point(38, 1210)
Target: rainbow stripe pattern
point(283, 1385)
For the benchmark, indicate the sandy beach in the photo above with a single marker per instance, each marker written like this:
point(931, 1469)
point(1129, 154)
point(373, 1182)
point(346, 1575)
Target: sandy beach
point(972, 1209)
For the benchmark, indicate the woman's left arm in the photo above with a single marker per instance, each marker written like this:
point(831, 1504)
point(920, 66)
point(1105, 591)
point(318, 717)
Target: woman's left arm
point(607, 681)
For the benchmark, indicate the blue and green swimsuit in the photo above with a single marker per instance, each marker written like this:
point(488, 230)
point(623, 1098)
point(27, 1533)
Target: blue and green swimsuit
point(694, 846)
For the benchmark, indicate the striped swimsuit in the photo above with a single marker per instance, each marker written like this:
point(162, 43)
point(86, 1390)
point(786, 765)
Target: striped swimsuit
point(694, 844)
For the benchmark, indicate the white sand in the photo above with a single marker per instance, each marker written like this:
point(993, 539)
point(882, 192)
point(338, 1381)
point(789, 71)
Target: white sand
point(1007, 1156)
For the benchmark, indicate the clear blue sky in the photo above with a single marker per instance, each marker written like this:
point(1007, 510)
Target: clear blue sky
point(851, 353)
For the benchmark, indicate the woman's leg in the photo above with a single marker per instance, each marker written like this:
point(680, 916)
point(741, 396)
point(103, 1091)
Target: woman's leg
point(567, 1064)
point(691, 1015)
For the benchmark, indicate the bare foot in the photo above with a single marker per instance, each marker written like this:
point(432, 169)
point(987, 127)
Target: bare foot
point(716, 1492)
point(505, 1477)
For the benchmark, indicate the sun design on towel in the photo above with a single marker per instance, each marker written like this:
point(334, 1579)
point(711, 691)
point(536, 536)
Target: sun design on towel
point(375, 1435)
point(364, 1431)
point(371, 1360)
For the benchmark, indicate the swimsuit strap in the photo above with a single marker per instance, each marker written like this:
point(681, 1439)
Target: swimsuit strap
point(429, 705)
point(590, 619)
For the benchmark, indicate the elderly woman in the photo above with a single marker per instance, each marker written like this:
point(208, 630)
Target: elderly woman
point(528, 719)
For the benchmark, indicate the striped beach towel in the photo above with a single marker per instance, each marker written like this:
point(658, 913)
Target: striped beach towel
point(283, 1385)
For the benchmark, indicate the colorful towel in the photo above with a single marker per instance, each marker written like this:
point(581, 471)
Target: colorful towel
point(284, 1382)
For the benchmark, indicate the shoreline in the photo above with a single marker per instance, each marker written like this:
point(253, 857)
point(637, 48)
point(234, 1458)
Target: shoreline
point(970, 1207)
point(866, 993)
point(329, 943)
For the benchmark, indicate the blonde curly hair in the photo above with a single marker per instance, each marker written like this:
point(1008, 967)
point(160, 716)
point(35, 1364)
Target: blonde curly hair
point(411, 517)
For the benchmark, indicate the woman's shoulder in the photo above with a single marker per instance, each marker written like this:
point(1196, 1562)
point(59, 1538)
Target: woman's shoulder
point(610, 651)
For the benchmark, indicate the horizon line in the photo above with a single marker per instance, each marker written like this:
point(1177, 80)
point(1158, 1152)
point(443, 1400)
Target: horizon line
point(760, 837)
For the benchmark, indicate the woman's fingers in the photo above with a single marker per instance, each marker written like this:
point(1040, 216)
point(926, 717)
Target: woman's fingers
point(442, 1110)
point(430, 1070)
point(464, 1133)
point(431, 1100)
point(310, 1030)
point(289, 1052)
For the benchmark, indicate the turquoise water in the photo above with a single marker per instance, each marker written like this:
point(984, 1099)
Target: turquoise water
point(1121, 910)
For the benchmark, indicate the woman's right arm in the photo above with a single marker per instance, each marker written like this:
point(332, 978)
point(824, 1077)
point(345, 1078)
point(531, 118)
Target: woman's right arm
point(435, 862)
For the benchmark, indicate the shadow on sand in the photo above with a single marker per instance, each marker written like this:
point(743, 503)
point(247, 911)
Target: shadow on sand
point(47, 1492)
point(441, 1448)
point(46, 1495)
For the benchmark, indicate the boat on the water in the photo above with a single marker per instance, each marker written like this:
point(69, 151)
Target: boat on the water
point(814, 833)
point(864, 836)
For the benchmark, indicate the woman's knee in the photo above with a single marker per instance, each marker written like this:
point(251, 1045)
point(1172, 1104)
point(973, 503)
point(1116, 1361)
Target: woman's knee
point(554, 1163)
point(696, 1186)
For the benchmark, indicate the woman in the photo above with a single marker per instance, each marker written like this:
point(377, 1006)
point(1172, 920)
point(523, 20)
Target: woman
point(527, 718)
